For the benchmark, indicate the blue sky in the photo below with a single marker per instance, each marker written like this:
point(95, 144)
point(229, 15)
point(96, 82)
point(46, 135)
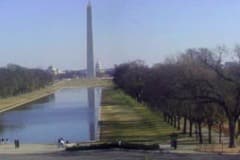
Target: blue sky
point(39, 33)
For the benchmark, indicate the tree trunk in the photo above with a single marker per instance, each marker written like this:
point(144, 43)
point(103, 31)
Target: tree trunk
point(184, 125)
point(175, 121)
point(220, 133)
point(196, 130)
point(210, 133)
point(168, 119)
point(232, 125)
point(190, 128)
point(171, 120)
point(200, 132)
point(178, 123)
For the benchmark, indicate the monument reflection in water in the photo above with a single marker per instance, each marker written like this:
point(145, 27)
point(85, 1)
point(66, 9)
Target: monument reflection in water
point(70, 113)
point(93, 117)
point(94, 104)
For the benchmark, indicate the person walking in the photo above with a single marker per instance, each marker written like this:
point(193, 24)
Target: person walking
point(6, 141)
point(15, 143)
point(18, 143)
point(62, 142)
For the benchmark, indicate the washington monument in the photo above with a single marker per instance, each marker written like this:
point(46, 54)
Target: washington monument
point(90, 57)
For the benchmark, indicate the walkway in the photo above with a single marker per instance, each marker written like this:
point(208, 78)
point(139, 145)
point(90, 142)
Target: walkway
point(29, 149)
point(118, 155)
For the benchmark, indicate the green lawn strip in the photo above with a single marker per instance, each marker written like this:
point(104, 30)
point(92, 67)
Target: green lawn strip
point(86, 83)
point(144, 126)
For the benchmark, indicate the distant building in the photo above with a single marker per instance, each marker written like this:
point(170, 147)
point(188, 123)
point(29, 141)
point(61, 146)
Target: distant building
point(99, 68)
point(54, 71)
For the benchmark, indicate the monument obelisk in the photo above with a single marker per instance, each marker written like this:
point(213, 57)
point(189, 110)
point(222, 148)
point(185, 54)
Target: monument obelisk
point(90, 57)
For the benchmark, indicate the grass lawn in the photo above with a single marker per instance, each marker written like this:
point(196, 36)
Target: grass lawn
point(122, 118)
point(85, 83)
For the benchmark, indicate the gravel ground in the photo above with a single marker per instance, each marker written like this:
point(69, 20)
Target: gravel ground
point(117, 155)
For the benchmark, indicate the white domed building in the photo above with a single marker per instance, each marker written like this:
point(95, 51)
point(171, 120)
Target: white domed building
point(99, 67)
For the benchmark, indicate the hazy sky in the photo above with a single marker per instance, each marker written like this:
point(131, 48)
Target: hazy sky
point(39, 33)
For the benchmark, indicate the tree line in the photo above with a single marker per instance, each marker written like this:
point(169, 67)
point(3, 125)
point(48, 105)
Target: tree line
point(197, 87)
point(16, 80)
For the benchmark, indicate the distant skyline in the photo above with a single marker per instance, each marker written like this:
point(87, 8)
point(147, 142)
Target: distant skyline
point(39, 33)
